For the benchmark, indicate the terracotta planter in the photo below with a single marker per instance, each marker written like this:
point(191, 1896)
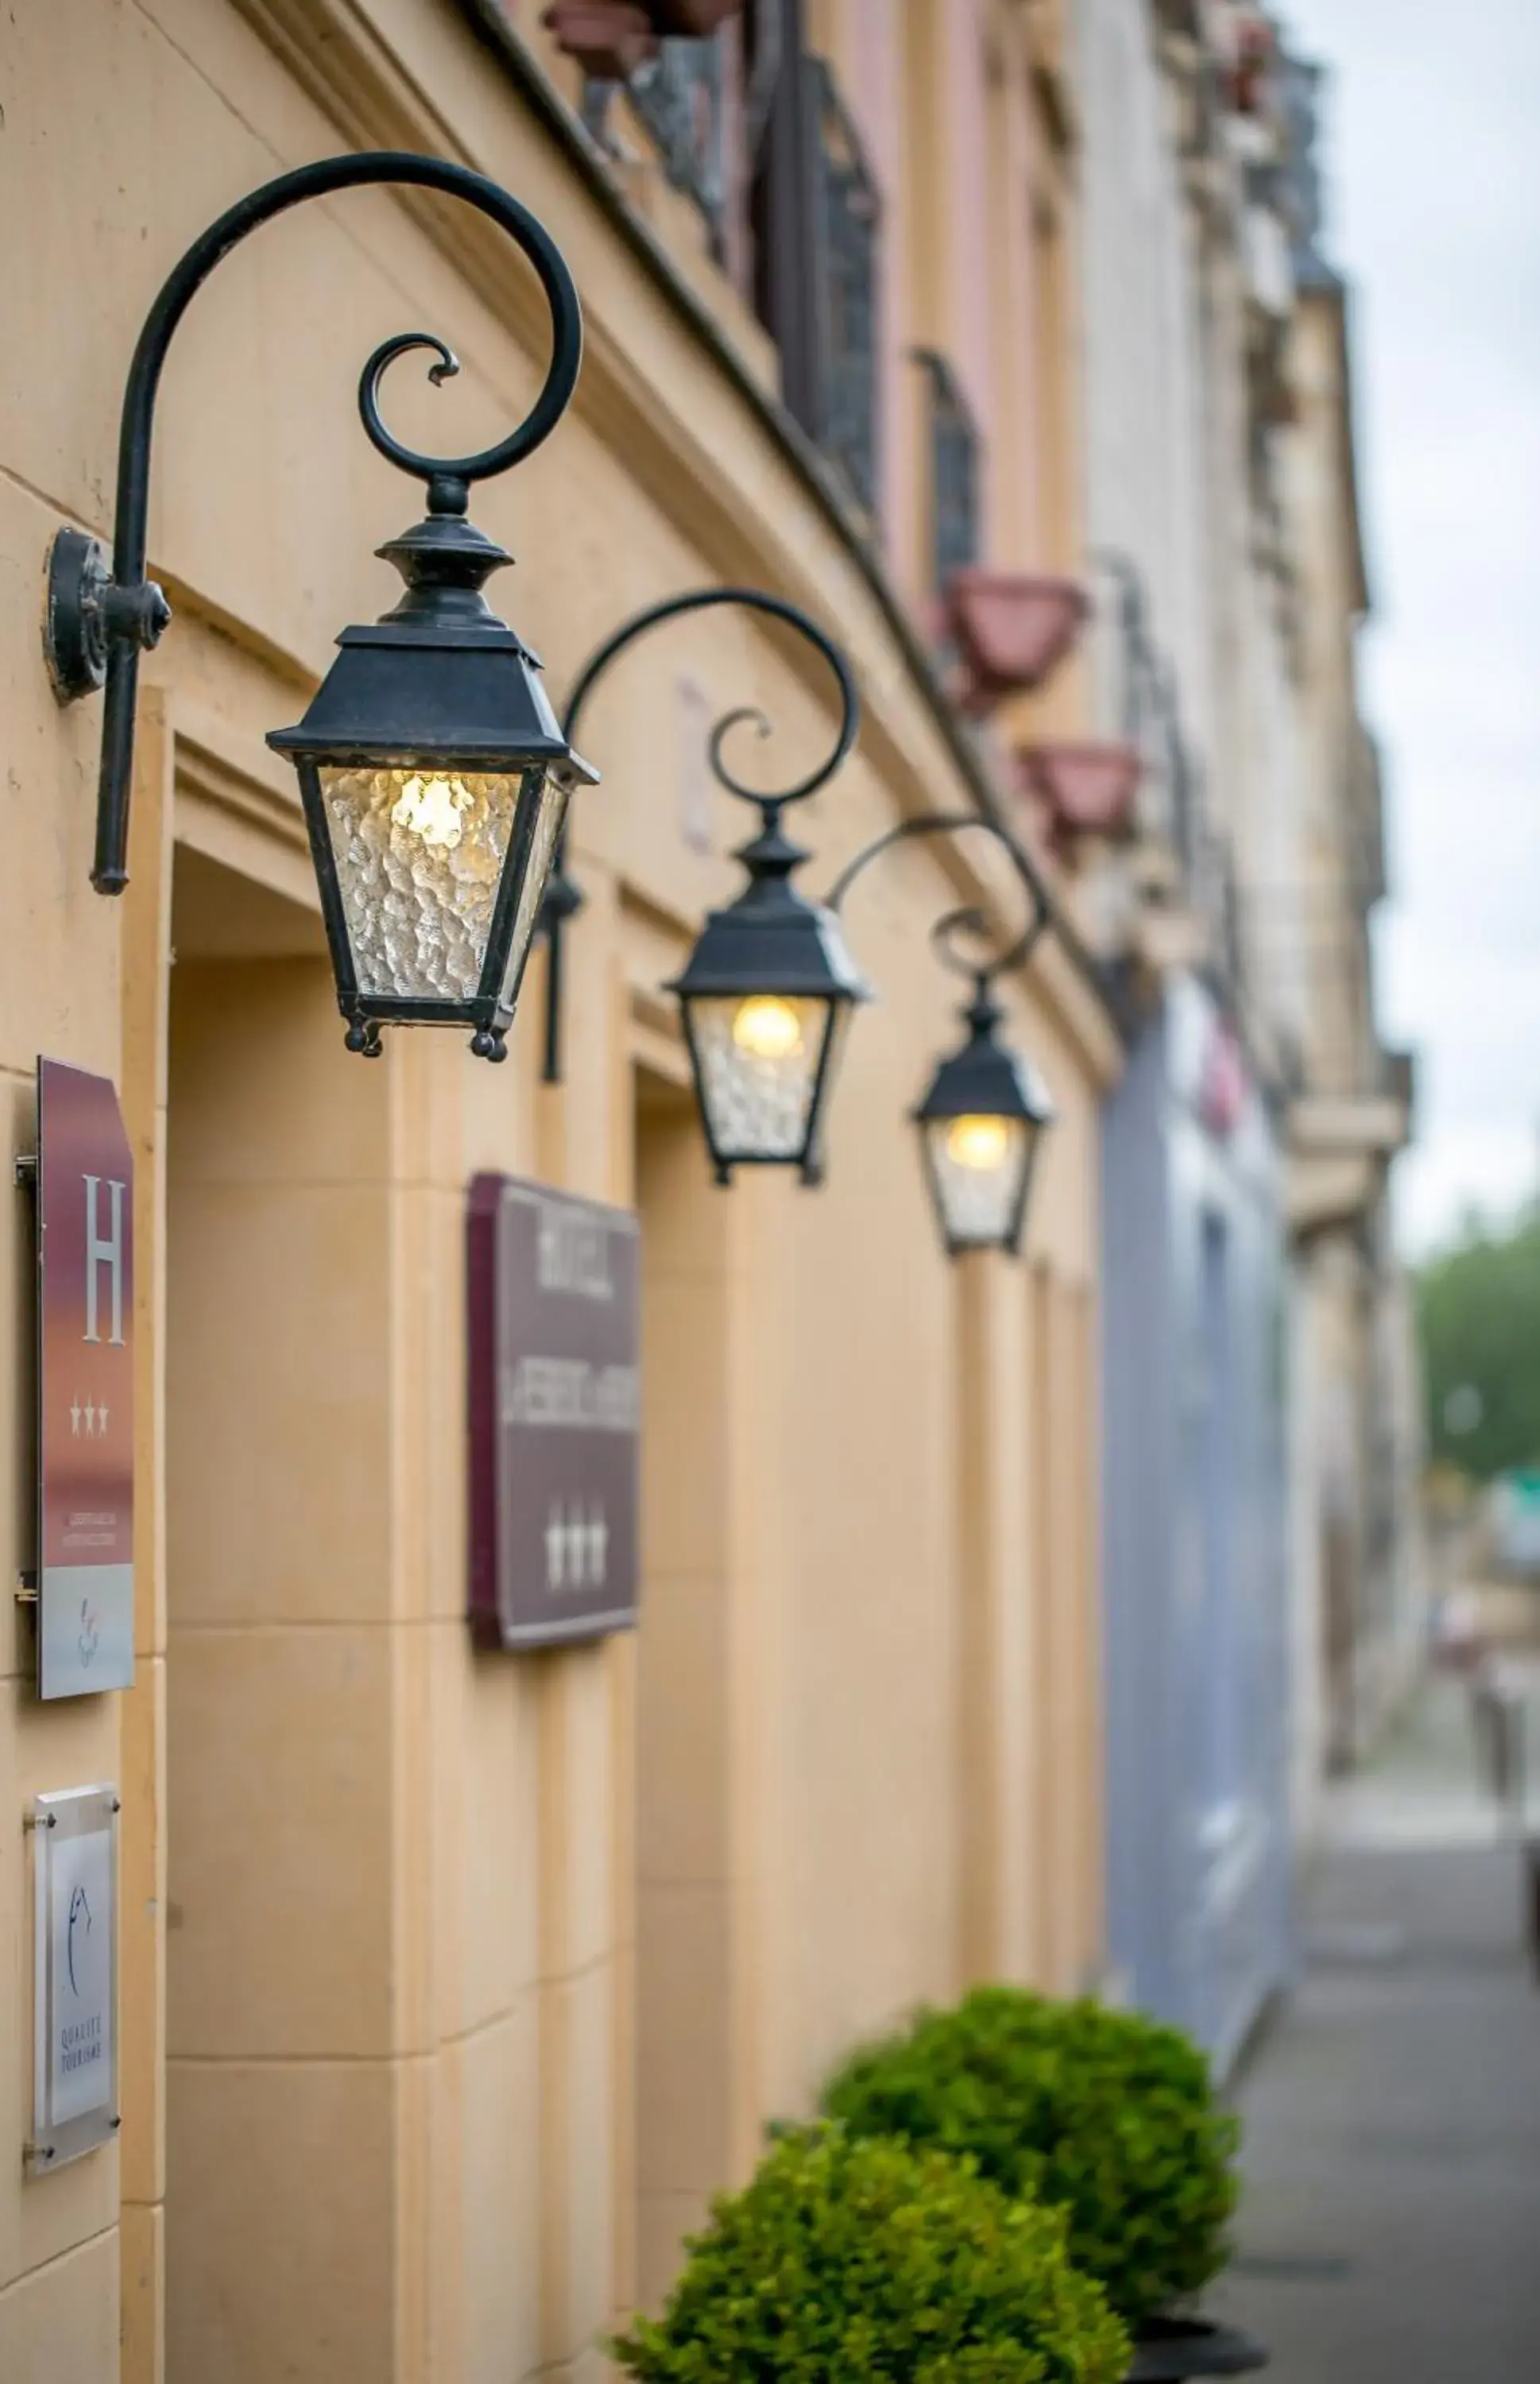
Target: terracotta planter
point(1168, 2350)
point(1247, 80)
point(692, 17)
point(609, 38)
point(1009, 630)
point(1086, 788)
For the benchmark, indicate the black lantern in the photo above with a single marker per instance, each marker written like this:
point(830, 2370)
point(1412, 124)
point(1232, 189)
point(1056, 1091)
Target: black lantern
point(980, 1123)
point(983, 1113)
point(767, 992)
point(433, 773)
point(435, 782)
point(766, 996)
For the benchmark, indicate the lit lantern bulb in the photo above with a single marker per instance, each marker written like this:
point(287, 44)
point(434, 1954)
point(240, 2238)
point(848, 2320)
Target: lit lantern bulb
point(980, 1144)
point(431, 807)
point(767, 1027)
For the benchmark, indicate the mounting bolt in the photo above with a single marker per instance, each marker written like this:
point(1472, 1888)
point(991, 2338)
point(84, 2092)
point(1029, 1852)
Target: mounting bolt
point(86, 612)
point(140, 616)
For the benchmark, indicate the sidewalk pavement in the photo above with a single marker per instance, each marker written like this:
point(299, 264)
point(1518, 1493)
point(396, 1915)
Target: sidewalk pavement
point(1389, 2231)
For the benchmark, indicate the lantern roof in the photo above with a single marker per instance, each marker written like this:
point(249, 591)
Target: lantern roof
point(985, 1077)
point(440, 677)
point(771, 938)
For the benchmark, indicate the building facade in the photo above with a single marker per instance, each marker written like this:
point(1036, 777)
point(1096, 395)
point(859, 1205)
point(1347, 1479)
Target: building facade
point(1259, 1450)
point(1188, 303)
point(1360, 1610)
point(452, 1983)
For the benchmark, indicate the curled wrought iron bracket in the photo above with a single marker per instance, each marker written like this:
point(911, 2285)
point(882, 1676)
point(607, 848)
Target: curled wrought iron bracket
point(968, 918)
point(563, 898)
point(101, 617)
point(946, 935)
point(755, 599)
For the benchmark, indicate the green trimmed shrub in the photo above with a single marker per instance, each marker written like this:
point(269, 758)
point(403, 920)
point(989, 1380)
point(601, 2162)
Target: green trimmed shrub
point(841, 2262)
point(1108, 2116)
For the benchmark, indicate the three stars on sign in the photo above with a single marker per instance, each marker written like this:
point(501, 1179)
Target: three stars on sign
point(89, 1422)
point(577, 1546)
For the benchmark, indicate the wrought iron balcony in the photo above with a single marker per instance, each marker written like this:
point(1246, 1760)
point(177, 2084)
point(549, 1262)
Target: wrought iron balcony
point(847, 223)
point(953, 471)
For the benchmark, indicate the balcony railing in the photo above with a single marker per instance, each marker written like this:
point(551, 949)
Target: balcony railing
point(954, 472)
point(767, 150)
point(847, 219)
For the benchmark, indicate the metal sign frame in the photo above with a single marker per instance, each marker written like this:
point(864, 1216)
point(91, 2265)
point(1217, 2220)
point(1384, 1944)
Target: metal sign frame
point(75, 1969)
point(82, 1187)
point(553, 1328)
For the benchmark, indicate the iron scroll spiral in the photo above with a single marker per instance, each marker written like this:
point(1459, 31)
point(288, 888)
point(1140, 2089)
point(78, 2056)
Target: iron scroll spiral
point(562, 898)
point(132, 613)
point(754, 600)
point(966, 919)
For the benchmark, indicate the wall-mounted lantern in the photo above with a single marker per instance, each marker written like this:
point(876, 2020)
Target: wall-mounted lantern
point(768, 989)
point(765, 998)
point(983, 1113)
point(980, 1123)
point(433, 773)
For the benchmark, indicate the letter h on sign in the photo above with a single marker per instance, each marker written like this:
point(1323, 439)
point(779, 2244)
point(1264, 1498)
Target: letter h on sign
point(100, 1251)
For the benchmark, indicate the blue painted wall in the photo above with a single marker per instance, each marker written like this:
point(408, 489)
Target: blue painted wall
point(1194, 1552)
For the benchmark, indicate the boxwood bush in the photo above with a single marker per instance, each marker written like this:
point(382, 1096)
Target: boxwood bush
point(841, 2262)
point(1106, 2115)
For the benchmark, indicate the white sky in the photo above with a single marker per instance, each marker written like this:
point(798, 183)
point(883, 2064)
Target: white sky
point(1432, 153)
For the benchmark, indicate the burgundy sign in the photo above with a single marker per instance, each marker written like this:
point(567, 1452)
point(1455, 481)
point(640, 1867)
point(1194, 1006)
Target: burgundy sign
point(85, 1386)
point(554, 1410)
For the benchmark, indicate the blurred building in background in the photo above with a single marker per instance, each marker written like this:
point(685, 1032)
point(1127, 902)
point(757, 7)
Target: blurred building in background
point(453, 1983)
point(1360, 1593)
point(1187, 301)
point(1260, 1444)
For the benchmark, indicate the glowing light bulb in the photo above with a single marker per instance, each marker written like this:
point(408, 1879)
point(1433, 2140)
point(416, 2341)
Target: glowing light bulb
point(430, 808)
point(978, 1143)
point(767, 1027)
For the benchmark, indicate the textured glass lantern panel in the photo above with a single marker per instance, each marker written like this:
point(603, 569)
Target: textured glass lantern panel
point(842, 1013)
point(419, 857)
point(548, 797)
point(757, 1058)
point(977, 1165)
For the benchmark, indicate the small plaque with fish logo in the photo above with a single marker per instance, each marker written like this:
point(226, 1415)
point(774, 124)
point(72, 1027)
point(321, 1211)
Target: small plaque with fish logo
point(75, 2008)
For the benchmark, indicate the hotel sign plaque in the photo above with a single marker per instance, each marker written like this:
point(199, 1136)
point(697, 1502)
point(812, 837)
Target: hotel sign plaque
point(84, 1199)
point(553, 1329)
point(75, 2005)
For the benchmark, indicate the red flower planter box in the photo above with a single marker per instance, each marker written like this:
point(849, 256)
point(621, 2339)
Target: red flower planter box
point(1086, 788)
point(693, 18)
point(1009, 630)
point(611, 38)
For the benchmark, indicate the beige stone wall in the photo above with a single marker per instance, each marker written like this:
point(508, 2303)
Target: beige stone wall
point(452, 1984)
